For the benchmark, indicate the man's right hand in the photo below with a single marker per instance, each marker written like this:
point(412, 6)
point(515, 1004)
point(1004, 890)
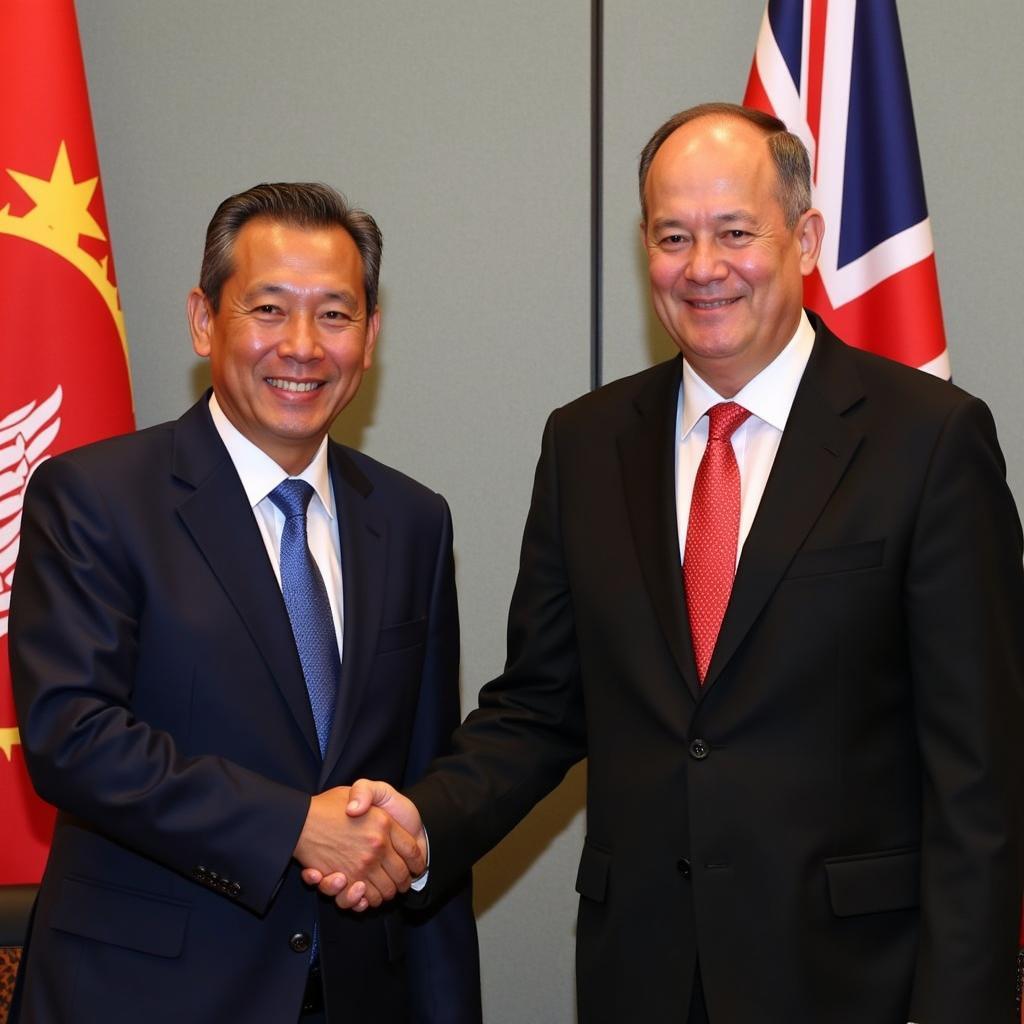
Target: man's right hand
point(368, 800)
point(349, 838)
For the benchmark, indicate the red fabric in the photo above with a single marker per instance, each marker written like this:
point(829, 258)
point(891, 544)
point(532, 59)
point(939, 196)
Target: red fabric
point(709, 561)
point(816, 67)
point(902, 314)
point(64, 376)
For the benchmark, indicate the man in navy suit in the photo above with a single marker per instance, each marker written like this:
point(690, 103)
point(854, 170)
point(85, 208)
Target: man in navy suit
point(806, 806)
point(163, 681)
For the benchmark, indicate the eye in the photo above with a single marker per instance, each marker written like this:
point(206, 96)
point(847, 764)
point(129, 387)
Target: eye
point(337, 315)
point(737, 235)
point(671, 241)
point(267, 309)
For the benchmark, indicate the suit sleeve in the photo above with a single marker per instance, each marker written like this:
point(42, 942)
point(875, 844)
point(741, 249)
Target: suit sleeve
point(75, 637)
point(444, 961)
point(529, 729)
point(964, 603)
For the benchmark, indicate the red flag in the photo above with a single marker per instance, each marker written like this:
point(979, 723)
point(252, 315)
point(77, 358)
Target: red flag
point(834, 71)
point(63, 355)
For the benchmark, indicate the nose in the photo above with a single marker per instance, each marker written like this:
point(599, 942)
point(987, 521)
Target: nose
point(300, 341)
point(705, 264)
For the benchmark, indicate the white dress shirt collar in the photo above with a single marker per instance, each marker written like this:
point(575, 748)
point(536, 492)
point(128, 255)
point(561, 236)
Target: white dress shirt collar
point(769, 396)
point(259, 473)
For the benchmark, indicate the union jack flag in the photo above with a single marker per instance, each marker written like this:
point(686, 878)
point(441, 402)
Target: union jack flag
point(834, 71)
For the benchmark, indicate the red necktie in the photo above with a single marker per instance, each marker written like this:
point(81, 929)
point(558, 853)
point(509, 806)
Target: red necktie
point(709, 562)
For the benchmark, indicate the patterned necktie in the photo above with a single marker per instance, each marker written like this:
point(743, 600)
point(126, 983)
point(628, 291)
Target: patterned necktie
point(709, 561)
point(309, 611)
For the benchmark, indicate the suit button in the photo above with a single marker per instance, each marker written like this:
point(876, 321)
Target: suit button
point(699, 750)
point(299, 942)
point(683, 867)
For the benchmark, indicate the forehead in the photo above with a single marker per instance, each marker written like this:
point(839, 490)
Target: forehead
point(268, 247)
point(711, 157)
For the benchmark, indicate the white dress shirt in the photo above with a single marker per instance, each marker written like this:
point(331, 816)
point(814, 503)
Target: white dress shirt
point(260, 474)
point(769, 397)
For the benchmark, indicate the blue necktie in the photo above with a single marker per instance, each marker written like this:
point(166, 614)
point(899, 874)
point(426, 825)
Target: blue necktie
point(309, 611)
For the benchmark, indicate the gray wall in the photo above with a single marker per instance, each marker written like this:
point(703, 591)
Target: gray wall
point(465, 129)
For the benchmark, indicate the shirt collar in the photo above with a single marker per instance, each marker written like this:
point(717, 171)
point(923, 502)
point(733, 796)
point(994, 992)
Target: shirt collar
point(769, 396)
point(259, 473)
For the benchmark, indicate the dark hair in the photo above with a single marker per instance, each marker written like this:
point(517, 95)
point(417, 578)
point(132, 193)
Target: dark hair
point(787, 152)
point(299, 203)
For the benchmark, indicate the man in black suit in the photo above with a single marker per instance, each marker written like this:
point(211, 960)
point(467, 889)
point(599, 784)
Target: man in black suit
point(773, 591)
point(217, 623)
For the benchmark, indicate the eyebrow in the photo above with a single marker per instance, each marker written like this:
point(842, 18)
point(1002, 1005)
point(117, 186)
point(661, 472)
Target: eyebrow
point(728, 217)
point(343, 297)
point(734, 215)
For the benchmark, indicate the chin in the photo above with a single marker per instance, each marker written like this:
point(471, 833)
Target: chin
point(294, 429)
point(710, 348)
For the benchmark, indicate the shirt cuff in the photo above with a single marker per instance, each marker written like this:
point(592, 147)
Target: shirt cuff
point(420, 883)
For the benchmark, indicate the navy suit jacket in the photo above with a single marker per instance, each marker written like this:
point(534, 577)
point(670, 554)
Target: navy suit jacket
point(163, 711)
point(832, 823)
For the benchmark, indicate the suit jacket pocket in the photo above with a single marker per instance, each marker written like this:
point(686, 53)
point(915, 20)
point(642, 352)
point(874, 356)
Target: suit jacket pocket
point(848, 558)
point(592, 877)
point(874, 882)
point(120, 917)
point(405, 634)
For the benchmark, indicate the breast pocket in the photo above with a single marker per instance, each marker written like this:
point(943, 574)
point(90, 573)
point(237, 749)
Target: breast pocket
point(401, 636)
point(846, 558)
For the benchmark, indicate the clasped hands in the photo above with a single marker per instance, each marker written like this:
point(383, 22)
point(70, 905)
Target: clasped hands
point(361, 845)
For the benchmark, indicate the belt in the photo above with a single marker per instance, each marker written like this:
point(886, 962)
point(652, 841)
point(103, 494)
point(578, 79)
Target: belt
point(313, 997)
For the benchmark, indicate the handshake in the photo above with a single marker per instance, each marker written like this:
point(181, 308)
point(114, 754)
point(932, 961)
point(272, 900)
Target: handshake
point(361, 845)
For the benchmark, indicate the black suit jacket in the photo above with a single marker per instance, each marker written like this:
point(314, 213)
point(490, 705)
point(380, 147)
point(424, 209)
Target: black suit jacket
point(163, 711)
point(832, 823)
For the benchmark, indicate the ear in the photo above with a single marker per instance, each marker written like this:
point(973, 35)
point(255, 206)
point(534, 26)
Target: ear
point(372, 329)
point(810, 230)
point(200, 322)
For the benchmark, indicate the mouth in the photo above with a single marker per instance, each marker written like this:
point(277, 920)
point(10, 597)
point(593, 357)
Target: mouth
point(297, 386)
point(710, 304)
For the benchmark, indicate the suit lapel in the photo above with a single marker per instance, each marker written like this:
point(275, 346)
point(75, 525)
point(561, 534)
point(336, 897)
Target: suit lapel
point(816, 448)
point(217, 515)
point(363, 536)
point(647, 454)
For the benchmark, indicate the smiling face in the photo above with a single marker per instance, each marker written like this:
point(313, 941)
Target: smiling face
point(726, 271)
point(291, 338)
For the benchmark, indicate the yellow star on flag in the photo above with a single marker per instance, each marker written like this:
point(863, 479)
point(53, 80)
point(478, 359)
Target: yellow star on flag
point(8, 738)
point(59, 219)
point(62, 204)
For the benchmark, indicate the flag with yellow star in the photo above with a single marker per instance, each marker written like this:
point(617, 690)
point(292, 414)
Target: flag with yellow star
point(63, 354)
